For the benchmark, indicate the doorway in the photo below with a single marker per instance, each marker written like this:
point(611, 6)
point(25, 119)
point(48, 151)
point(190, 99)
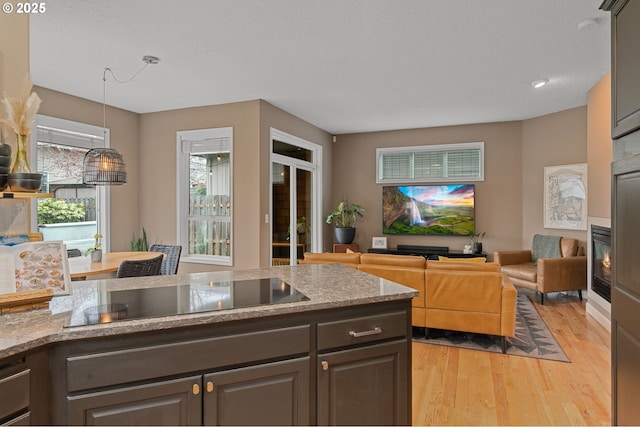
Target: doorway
point(295, 198)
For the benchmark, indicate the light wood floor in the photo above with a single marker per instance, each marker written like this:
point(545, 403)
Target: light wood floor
point(466, 387)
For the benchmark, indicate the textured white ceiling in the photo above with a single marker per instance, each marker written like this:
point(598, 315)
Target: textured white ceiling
point(343, 65)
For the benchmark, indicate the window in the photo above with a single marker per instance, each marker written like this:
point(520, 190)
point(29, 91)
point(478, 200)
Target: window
point(204, 194)
point(76, 211)
point(431, 163)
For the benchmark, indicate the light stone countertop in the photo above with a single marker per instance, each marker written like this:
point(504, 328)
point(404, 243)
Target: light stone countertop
point(327, 286)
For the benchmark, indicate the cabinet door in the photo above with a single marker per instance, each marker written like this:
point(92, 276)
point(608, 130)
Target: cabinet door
point(625, 293)
point(14, 393)
point(174, 402)
point(365, 386)
point(625, 68)
point(270, 394)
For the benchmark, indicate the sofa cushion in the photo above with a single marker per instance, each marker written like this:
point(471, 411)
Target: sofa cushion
point(526, 271)
point(569, 247)
point(472, 259)
point(411, 261)
point(459, 291)
point(407, 276)
point(463, 266)
point(350, 260)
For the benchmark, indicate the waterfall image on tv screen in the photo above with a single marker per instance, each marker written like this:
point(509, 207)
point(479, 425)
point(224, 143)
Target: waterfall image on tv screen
point(446, 209)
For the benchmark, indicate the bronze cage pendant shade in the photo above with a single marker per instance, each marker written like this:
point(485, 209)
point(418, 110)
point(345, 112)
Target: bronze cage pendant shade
point(103, 166)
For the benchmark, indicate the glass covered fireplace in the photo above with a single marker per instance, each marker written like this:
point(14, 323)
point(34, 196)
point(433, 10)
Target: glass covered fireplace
point(601, 261)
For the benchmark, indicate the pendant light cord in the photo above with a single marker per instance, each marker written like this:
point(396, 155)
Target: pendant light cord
point(147, 60)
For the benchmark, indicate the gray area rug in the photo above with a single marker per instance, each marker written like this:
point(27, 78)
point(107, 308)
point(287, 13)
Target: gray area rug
point(533, 338)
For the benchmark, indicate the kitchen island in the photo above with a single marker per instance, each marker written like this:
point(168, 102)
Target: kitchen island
point(333, 348)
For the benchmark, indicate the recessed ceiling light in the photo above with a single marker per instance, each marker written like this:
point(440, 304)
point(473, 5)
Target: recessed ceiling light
point(539, 83)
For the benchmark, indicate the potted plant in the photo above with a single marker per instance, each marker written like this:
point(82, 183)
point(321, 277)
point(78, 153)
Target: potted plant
point(476, 240)
point(96, 250)
point(344, 218)
point(139, 243)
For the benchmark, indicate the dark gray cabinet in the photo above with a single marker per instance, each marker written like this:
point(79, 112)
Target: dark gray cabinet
point(625, 66)
point(14, 395)
point(363, 386)
point(625, 292)
point(335, 366)
point(361, 371)
point(271, 394)
point(174, 402)
point(625, 192)
point(278, 394)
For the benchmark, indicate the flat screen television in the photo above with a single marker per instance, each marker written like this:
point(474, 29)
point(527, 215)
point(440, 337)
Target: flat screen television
point(447, 209)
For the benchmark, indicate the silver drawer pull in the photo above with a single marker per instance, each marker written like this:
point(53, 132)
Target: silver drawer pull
point(375, 331)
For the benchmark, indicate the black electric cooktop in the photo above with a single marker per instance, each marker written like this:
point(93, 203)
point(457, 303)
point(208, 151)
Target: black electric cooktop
point(127, 304)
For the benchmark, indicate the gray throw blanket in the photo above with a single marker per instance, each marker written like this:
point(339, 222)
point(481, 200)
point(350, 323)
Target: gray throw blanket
point(545, 247)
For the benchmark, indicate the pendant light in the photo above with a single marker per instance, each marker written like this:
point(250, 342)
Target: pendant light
point(105, 166)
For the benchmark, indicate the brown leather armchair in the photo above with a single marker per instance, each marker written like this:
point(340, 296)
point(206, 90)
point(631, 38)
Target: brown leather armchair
point(565, 273)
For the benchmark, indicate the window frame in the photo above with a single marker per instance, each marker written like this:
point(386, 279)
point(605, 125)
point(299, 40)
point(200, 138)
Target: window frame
point(103, 192)
point(183, 193)
point(445, 148)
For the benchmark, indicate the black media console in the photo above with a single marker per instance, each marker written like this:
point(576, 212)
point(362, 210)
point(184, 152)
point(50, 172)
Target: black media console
point(429, 252)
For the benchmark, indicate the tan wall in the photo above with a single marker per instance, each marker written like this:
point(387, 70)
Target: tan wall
point(273, 117)
point(14, 64)
point(14, 52)
point(599, 148)
point(251, 122)
point(158, 170)
point(550, 140)
point(498, 197)
point(124, 132)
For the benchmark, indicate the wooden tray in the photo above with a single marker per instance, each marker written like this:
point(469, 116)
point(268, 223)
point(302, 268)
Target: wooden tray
point(24, 301)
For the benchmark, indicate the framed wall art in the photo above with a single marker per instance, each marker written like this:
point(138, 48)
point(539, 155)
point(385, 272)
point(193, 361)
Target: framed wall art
point(565, 197)
point(379, 243)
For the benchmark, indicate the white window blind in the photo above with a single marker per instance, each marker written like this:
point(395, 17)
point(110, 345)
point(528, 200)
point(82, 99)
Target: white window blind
point(431, 163)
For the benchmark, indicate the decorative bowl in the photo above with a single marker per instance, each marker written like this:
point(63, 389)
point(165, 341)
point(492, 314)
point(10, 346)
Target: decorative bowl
point(4, 181)
point(25, 182)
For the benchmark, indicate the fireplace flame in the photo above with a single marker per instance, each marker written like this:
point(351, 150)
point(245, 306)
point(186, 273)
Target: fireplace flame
point(606, 262)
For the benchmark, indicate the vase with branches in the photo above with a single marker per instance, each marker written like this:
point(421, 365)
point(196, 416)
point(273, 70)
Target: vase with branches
point(20, 117)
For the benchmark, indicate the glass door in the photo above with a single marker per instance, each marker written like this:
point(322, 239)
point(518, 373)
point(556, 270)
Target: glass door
point(281, 215)
point(294, 198)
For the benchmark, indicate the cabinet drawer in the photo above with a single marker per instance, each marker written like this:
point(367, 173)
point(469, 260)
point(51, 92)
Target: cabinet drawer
point(14, 390)
point(361, 330)
point(141, 363)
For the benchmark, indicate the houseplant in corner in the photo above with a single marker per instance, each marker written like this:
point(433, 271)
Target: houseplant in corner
point(344, 218)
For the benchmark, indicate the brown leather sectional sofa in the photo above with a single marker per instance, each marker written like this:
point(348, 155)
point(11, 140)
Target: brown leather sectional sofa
point(461, 296)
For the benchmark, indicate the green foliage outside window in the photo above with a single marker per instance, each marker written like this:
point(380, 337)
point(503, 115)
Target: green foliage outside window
point(56, 211)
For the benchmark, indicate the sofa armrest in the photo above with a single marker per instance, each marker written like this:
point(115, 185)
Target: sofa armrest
point(509, 307)
point(512, 257)
point(562, 274)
